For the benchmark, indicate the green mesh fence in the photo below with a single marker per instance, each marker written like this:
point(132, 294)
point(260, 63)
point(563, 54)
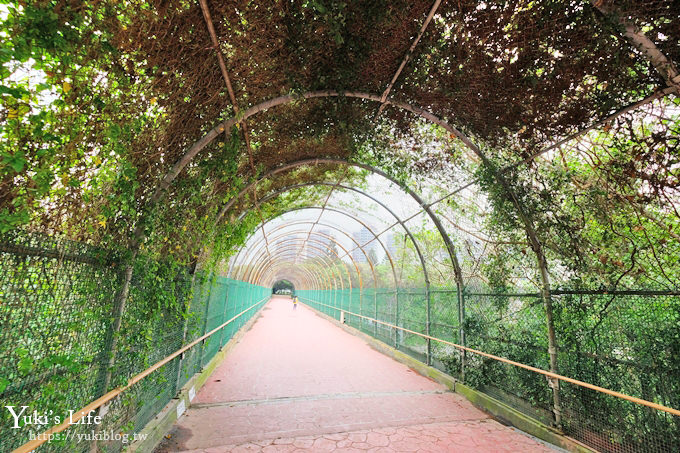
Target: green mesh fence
point(627, 341)
point(56, 305)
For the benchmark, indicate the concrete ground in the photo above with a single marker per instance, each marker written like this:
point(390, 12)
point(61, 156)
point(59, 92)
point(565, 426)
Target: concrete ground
point(296, 382)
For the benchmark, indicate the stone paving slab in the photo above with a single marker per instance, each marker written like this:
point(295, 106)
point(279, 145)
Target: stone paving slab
point(486, 436)
point(297, 382)
point(226, 424)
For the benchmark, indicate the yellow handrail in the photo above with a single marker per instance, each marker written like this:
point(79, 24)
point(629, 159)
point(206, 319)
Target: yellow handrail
point(42, 438)
point(632, 399)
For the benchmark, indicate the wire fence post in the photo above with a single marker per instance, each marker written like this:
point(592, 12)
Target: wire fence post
point(180, 359)
point(224, 313)
point(108, 356)
point(396, 318)
point(375, 324)
point(427, 322)
point(205, 327)
point(361, 307)
point(461, 330)
point(552, 351)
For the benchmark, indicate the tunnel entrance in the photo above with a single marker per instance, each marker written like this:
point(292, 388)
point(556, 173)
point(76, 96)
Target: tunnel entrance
point(283, 288)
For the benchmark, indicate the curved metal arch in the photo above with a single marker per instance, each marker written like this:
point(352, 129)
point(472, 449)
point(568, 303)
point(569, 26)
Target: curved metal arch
point(313, 278)
point(236, 260)
point(313, 240)
point(316, 161)
point(418, 252)
point(324, 183)
point(341, 186)
point(320, 291)
point(316, 278)
point(339, 230)
point(286, 99)
point(375, 295)
point(291, 274)
point(306, 222)
point(267, 264)
point(338, 211)
point(322, 275)
point(265, 259)
point(306, 279)
point(384, 206)
point(274, 239)
point(526, 220)
point(254, 248)
point(309, 280)
point(257, 244)
point(325, 270)
point(292, 279)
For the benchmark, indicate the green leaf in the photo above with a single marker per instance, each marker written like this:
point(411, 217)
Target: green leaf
point(25, 365)
point(16, 162)
point(4, 382)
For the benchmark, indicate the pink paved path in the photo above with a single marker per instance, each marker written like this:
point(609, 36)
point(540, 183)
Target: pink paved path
point(296, 382)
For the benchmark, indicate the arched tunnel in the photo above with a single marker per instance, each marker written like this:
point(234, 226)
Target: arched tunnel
point(416, 226)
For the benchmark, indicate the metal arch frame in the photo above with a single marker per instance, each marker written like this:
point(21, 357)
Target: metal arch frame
point(235, 261)
point(286, 99)
point(292, 279)
point(307, 283)
point(312, 237)
point(264, 261)
point(293, 247)
point(254, 248)
point(320, 280)
point(316, 161)
point(460, 284)
point(341, 186)
point(294, 244)
point(313, 279)
point(347, 252)
point(338, 211)
point(307, 222)
point(308, 280)
point(315, 285)
point(255, 273)
point(267, 261)
point(527, 221)
point(408, 233)
point(381, 204)
point(317, 277)
point(251, 274)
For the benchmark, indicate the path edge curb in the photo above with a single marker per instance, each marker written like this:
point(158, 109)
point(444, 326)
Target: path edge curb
point(161, 424)
point(480, 400)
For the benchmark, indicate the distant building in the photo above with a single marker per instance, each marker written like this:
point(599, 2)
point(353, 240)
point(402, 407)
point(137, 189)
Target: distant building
point(362, 236)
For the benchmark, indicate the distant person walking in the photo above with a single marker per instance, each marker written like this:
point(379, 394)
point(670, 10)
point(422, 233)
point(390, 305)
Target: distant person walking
point(295, 302)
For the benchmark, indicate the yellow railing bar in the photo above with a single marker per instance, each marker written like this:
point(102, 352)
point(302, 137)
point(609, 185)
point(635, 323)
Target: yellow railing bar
point(42, 438)
point(632, 399)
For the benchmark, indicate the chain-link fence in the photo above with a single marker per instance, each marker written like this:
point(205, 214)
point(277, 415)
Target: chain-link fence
point(627, 341)
point(56, 305)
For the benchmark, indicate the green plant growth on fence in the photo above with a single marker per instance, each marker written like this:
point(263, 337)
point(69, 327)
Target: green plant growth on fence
point(55, 314)
point(630, 348)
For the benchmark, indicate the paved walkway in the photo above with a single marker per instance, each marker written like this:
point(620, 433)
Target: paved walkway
point(296, 382)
